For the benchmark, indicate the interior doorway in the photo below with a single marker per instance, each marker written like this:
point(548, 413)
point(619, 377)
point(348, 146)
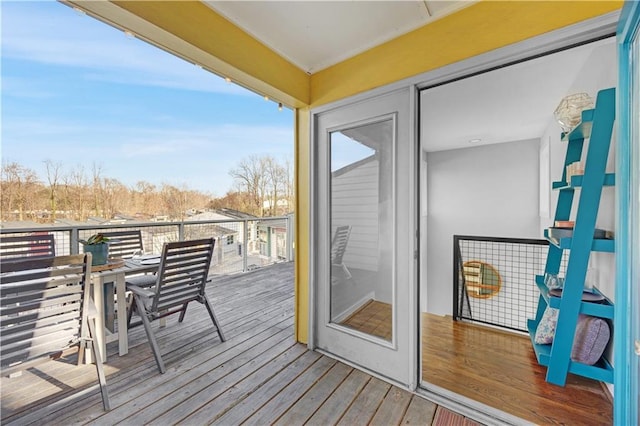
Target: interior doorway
point(490, 147)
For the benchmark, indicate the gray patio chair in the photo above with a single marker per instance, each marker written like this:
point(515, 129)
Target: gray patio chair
point(35, 246)
point(181, 279)
point(124, 244)
point(45, 309)
point(338, 247)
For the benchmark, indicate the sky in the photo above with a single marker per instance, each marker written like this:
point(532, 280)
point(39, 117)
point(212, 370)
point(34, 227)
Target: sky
point(78, 92)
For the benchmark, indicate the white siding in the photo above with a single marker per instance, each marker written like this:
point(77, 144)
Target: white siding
point(354, 201)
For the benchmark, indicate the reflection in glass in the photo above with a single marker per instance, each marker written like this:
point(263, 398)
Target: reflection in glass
point(362, 242)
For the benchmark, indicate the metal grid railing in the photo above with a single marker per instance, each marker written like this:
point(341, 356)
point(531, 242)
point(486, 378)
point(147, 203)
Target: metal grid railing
point(241, 245)
point(494, 279)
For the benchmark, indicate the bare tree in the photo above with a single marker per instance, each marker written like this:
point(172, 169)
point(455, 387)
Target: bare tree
point(18, 185)
point(53, 178)
point(250, 176)
point(97, 190)
point(115, 197)
point(267, 183)
point(276, 178)
point(80, 197)
point(146, 199)
point(174, 201)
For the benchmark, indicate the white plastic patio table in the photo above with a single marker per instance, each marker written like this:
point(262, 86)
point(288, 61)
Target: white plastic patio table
point(102, 292)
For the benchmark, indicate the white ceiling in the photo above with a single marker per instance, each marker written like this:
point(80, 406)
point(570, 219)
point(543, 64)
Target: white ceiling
point(513, 103)
point(317, 34)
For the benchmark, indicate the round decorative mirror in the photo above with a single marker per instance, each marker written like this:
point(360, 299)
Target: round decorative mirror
point(481, 279)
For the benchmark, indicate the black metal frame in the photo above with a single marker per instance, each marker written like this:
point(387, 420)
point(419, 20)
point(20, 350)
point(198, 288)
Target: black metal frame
point(460, 295)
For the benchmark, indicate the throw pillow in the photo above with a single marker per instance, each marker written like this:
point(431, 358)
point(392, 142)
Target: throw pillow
point(591, 338)
point(547, 327)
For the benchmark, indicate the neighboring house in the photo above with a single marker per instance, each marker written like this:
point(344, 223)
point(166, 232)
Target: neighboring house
point(229, 235)
point(357, 208)
point(272, 238)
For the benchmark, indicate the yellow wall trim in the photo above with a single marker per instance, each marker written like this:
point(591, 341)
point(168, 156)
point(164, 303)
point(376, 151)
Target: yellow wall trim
point(303, 213)
point(477, 29)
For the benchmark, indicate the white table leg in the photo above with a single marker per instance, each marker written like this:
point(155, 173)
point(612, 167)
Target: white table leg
point(123, 341)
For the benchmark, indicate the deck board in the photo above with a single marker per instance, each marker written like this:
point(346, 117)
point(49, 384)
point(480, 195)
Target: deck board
point(366, 404)
point(331, 411)
point(419, 412)
point(314, 398)
point(256, 391)
point(393, 408)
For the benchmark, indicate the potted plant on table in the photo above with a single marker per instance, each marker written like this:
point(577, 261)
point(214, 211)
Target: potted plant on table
point(98, 246)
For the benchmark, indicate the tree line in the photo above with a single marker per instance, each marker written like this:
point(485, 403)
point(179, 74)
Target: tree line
point(262, 187)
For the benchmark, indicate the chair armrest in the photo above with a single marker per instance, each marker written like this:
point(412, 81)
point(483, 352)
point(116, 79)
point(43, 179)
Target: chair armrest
point(142, 292)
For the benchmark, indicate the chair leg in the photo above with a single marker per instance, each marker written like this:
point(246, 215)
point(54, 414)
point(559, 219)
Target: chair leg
point(81, 349)
point(98, 359)
point(132, 306)
point(346, 271)
point(150, 336)
point(183, 312)
point(207, 303)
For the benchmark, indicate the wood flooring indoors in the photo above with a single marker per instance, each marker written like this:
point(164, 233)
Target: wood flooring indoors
point(373, 318)
point(499, 369)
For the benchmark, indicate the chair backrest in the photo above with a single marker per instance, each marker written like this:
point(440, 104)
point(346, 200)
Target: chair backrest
point(32, 246)
point(182, 275)
point(42, 307)
point(339, 243)
point(124, 244)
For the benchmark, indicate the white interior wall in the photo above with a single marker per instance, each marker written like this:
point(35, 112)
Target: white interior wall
point(485, 191)
point(599, 72)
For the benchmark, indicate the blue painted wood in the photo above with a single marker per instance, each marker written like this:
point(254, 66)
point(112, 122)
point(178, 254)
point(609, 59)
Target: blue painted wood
point(627, 321)
point(576, 182)
point(602, 309)
point(602, 371)
point(598, 126)
point(565, 198)
point(582, 130)
point(582, 241)
point(599, 244)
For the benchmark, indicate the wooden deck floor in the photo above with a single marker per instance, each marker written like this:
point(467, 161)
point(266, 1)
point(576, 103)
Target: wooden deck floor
point(260, 375)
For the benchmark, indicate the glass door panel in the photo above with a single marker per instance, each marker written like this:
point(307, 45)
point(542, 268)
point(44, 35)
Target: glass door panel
point(362, 228)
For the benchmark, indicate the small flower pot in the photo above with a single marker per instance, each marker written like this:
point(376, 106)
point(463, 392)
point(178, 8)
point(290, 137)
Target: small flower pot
point(99, 253)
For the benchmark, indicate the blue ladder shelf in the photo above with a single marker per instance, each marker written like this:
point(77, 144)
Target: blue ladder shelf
point(597, 126)
point(602, 371)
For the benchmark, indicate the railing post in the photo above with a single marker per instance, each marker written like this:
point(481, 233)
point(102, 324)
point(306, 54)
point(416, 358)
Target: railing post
point(74, 244)
point(245, 236)
point(289, 238)
point(181, 231)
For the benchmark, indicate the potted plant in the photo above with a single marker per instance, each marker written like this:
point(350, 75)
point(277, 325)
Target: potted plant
point(98, 246)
